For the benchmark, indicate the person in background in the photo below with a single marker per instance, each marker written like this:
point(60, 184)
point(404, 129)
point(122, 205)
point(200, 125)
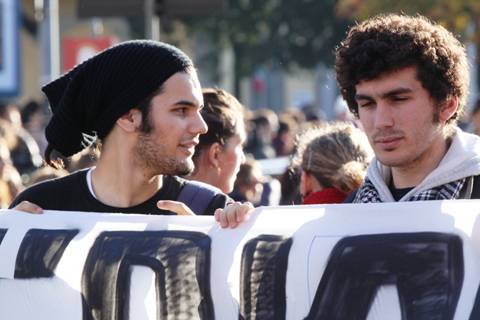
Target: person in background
point(253, 186)
point(249, 182)
point(219, 153)
point(284, 141)
point(34, 118)
point(333, 158)
point(10, 112)
point(264, 126)
point(10, 181)
point(24, 152)
point(312, 113)
point(290, 185)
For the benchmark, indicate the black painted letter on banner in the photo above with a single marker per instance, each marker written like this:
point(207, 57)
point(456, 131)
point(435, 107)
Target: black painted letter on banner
point(427, 269)
point(263, 272)
point(3, 232)
point(40, 251)
point(179, 259)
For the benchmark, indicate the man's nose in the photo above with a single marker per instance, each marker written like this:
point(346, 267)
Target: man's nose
point(199, 126)
point(383, 116)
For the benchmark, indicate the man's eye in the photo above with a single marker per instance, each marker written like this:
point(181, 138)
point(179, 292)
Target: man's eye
point(366, 104)
point(399, 98)
point(181, 111)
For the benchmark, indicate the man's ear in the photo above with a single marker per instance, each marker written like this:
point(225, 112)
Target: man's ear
point(130, 121)
point(448, 109)
point(214, 152)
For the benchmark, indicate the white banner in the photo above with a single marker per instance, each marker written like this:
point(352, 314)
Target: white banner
point(417, 260)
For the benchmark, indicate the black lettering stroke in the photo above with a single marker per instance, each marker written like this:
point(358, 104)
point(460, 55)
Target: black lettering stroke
point(179, 259)
point(40, 252)
point(427, 269)
point(263, 275)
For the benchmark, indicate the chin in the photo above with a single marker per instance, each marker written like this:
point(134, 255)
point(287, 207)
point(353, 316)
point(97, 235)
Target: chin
point(392, 161)
point(228, 188)
point(184, 168)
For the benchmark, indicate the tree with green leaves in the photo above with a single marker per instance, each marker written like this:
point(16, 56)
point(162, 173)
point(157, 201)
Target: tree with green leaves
point(458, 16)
point(276, 33)
point(462, 17)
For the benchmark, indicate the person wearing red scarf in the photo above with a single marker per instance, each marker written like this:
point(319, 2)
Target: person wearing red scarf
point(334, 158)
point(327, 195)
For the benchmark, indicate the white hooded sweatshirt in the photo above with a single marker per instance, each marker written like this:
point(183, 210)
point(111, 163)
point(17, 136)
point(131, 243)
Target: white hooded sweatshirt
point(461, 160)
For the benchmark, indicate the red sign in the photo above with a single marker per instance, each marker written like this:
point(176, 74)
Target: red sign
point(77, 50)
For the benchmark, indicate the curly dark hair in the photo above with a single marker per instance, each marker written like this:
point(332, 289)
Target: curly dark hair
point(387, 43)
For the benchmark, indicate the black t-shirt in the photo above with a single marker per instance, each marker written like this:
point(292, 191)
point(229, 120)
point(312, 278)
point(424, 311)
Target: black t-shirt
point(71, 193)
point(399, 193)
point(396, 193)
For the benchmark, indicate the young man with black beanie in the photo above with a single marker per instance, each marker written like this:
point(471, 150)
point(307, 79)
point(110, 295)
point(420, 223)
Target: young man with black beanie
point(142, 99)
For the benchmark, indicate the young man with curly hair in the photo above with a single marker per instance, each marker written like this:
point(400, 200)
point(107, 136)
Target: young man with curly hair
point(406, 79)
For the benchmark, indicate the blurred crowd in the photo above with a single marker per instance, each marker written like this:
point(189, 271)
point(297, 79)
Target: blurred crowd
point(22, 143)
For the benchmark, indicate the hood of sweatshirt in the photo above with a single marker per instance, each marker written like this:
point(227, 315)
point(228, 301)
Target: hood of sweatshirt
point(461, 160)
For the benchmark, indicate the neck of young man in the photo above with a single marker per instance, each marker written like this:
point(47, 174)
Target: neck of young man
point(119, 182)
point(412, 174)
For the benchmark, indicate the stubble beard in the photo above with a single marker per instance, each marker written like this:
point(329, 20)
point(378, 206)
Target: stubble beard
point(152, 156)
point(409, 161)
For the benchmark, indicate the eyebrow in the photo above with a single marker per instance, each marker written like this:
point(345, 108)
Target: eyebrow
point(387, 94)
point(188, 104)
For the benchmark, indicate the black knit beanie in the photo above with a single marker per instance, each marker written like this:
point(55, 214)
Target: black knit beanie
point(88, 99)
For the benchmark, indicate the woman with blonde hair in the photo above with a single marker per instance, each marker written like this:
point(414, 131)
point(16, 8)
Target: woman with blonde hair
point(333, 158)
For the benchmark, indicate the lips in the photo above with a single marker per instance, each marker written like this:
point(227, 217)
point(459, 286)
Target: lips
point(386, 139)
point(189, 146)
point(388, 142)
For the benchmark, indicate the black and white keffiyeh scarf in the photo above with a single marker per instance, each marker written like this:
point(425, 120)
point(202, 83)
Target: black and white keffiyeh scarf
point(368, 193)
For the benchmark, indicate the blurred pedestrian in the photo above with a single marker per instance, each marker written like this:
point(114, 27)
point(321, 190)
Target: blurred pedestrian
point(333, 158)
point(219, 152)
point(253, 186)
point(24, 152)
point(265, 126)
point(284, 141)
point(249, 182)
point(34, 118)
point(10, 181)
